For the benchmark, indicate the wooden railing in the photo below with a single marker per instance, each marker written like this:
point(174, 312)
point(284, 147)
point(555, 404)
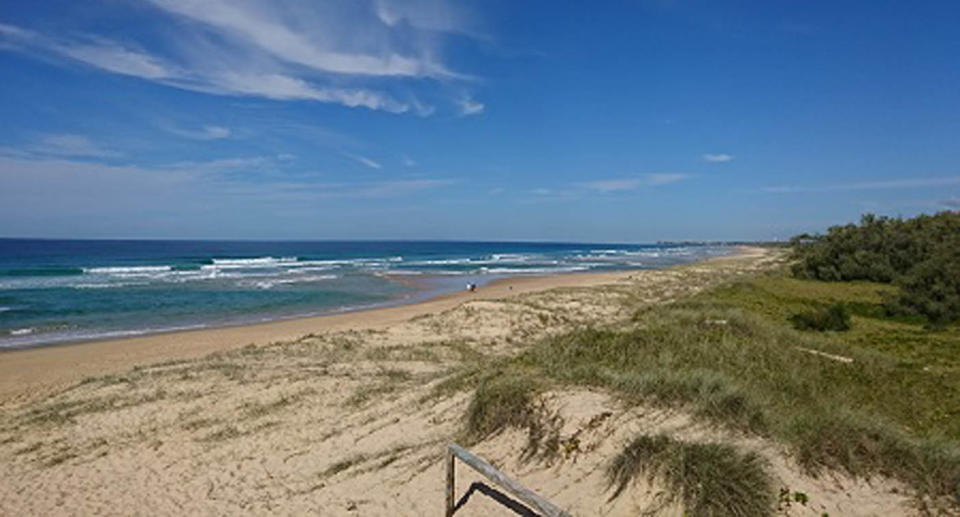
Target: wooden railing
point(534, 501)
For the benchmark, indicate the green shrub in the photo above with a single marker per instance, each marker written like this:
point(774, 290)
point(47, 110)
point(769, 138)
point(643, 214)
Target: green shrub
point(920, 255)
point(835, 317)
point(932, 287)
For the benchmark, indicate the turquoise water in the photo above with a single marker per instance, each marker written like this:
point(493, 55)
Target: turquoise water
point(58, 291)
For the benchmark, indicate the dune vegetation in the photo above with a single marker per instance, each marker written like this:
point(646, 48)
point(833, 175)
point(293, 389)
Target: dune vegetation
point(877, 397)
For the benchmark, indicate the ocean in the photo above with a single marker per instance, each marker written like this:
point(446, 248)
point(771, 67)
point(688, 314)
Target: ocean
point(61, 291)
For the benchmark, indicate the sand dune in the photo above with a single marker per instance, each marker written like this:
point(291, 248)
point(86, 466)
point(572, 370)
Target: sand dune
point(339, 415)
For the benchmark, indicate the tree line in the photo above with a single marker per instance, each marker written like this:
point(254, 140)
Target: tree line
point(920, 255)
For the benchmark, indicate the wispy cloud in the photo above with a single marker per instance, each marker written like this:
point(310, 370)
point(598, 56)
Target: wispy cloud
point(280, 50)
point(203, 133)
point(76, 186)
point(635, 183)
point(468, 107)
point(431, 15)
point(61, 145)
point(209, 77)
point(93, 51)
point(312, 38)
point(718, 158)
point(358, 190)
point(905, 183)
point(72, 145)
point(364, 160)
point(408, 161)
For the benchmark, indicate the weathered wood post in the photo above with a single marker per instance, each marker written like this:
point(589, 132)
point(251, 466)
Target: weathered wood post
point(527, 496)
point(451, 483)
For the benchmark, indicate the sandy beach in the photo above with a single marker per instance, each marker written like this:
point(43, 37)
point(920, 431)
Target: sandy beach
point(340, 415)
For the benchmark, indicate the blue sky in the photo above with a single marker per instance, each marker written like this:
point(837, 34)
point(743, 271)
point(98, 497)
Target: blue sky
point(626, 121)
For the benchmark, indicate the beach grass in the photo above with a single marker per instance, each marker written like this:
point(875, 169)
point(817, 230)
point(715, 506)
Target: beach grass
point(501, 403)
point(877, 399)
point(709, 479)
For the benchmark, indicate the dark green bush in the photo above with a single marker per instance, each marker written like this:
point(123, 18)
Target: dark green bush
point(835, 317)
point(920, 255)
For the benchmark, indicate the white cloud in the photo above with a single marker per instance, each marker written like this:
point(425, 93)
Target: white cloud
point(208, 77)
point(469, 107)
point(112, 57)
point(282, 50)
point(666, 178)
point(718, 158)
point(408, 162)
point(93, 51)
point(304, 37)
point(635, 183)
point(434, 15)
point(61, 145)
point(364, 160)
point(209, 132)
point(904, 183)
point(283, 87)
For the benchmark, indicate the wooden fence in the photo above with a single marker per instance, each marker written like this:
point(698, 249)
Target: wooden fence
point(534, 501)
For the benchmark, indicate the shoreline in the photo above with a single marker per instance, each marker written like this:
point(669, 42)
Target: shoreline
point(29, 372)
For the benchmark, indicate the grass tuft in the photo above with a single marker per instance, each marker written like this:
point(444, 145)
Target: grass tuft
point(707, 478)
point(501, 403)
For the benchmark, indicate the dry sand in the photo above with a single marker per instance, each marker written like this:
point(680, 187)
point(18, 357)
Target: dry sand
point(334, 415)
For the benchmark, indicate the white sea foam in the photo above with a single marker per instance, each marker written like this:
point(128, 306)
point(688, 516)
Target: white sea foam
point(531, 270)
point(254, 262)
point(441, 262)
point(21, 332)
point(315, 263)
point(272, 282)
point(111, 285)
point(291, 263)
point(511, 257)
point(127, 270)
point(5, 309)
